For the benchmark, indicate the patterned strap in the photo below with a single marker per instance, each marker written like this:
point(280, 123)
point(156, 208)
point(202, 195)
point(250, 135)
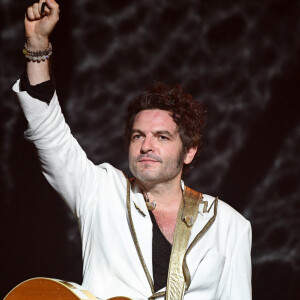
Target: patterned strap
point(186, 217)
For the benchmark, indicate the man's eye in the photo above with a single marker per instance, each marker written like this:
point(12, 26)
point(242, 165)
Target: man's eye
point(163, 138)
point(136, 136)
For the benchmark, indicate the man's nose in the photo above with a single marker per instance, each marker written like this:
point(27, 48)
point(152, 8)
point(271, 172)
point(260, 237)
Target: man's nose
point(147, 145)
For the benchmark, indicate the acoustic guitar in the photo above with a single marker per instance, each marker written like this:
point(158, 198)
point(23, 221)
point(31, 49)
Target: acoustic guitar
point(51, 289)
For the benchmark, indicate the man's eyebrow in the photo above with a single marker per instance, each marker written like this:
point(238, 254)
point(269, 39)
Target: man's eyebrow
point(136, 131)
point(158, 132)
point(163, 132)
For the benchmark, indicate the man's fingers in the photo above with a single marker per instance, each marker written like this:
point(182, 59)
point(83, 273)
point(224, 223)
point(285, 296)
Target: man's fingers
point(30, 15)
point(54, 9)
point(43, 8)
point(52, 5)
point(36, 11)
point(33, 12)
point(46, 9)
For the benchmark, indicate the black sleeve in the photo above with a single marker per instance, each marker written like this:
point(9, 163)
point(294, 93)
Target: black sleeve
point(43, 91)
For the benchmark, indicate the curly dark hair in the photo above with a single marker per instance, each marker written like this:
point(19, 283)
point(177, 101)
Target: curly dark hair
point(189, 115)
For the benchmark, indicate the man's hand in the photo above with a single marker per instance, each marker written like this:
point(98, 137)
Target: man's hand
point(39, 25)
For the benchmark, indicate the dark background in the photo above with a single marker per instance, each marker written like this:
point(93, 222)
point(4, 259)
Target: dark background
point(240, 58)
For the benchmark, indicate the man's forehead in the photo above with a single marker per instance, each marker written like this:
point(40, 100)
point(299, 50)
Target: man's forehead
point(155, 118)
point(154, 113)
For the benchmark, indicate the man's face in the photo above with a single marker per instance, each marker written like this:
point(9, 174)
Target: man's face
point(155, 150)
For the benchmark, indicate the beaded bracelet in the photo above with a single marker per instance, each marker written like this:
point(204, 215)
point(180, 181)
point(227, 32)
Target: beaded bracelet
point(37, 55)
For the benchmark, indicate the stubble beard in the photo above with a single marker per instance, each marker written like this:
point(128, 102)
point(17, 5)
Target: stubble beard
point(171, 168)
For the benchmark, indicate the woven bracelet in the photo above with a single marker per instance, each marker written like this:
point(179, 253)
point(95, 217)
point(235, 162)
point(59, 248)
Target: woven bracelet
point(37, 55)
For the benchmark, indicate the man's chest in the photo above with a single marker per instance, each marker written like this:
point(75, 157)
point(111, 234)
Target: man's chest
point(166, 222)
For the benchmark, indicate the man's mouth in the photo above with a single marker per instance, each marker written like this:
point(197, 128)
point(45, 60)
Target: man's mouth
point(147, 160)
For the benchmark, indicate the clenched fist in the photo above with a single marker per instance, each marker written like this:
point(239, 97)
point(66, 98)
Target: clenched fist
point(39, 24)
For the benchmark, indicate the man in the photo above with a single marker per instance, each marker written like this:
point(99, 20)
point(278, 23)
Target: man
point(150, 237)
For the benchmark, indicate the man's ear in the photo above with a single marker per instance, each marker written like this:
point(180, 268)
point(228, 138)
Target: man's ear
point(189, 156)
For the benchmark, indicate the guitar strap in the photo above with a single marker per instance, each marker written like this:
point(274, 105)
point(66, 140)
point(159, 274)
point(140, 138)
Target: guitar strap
point(186, 217)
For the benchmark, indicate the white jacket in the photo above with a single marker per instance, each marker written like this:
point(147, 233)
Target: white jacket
point(219, 264)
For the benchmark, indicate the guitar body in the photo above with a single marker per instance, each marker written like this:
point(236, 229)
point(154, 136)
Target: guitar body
point(51, 289)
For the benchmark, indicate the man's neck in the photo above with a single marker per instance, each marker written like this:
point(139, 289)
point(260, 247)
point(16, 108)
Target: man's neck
point(166, 195)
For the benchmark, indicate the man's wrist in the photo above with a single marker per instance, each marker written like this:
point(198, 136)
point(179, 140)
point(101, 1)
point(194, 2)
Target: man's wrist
point(37, 43)
point(39, 55)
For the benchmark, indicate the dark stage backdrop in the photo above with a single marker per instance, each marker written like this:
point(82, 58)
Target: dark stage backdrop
point(240, 58)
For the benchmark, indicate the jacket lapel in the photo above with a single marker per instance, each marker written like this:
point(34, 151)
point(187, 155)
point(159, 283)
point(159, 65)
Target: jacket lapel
point(203, 217)
point(141, 228)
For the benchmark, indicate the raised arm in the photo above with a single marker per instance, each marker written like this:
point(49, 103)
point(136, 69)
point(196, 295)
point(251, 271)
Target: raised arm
point(38, 27)
point(63, 162)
